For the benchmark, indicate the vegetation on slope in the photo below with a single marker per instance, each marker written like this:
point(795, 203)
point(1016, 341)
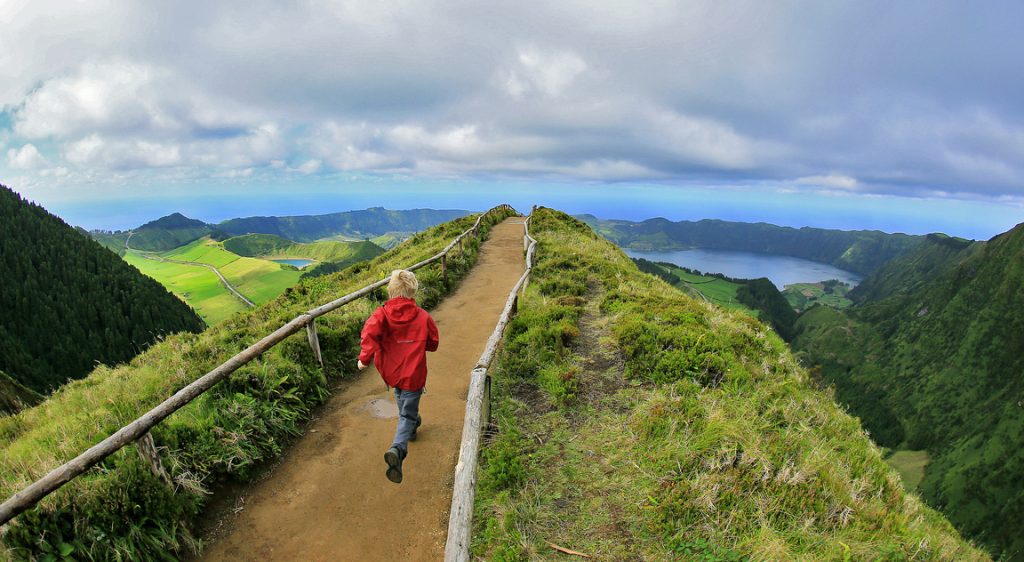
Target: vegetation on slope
point(860, 251)
point(936, 364)
point(370, 222)
point(333, 256)
point(758, 297)
point(68, 303)
point(634, 422)
point(168, 233)
point(15, 397)
point(120, 511)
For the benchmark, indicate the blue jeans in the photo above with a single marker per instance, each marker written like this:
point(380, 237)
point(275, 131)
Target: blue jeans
point(408, 414)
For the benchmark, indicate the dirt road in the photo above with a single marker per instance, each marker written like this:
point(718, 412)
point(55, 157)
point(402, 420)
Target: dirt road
point(329, 498)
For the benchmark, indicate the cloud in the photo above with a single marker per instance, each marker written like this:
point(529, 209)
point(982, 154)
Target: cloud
point(823, 96)
point(832, 181)
point(25, 158)
point(542, 73)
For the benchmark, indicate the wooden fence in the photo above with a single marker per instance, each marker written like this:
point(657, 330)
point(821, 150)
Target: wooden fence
point(460, 517)
point(138, 430)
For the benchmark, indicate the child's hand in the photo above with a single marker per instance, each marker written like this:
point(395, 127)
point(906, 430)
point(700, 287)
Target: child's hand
point(360, 365)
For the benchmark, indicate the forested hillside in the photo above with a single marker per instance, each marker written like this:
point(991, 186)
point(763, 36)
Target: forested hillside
point(636, 423)
point(368, 223)
point(932, 358)
point(859, 251)
point(68, 303)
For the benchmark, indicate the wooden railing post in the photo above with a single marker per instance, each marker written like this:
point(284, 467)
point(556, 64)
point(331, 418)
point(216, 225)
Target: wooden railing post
point(151, 456)
point(314, 341)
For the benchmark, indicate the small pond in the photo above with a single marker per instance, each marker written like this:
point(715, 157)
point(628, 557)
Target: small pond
point(299, 263)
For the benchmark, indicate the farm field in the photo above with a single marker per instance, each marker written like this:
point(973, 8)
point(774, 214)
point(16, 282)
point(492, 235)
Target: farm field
point(197, 286)
point(258, 279)
point(802, 295)
point(718, 291)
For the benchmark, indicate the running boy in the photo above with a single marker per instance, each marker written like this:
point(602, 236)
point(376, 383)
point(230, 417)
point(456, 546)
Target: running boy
point(396, 338)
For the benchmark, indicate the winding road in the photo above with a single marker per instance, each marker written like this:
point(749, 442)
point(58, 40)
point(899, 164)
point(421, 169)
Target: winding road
point(152, 256)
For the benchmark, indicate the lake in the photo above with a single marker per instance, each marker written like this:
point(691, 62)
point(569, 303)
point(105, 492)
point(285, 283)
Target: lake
point(299, 263)
point(781, 270)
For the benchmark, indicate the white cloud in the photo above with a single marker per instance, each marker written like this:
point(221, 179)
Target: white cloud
point(548, 74)
point(25, 158)
point(831, 181)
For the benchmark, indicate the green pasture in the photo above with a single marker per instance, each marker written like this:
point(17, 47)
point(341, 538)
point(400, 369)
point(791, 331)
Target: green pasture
point(197, 286)
point(718, 291)
point(802, 296)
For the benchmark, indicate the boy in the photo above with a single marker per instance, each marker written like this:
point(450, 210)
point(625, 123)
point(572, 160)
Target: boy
point(396, 338)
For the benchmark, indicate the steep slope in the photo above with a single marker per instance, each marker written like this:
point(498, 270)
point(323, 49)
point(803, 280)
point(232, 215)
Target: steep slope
point(121, 510)
point(68, 303)
point(15, 397)
point(636, 423)
point(942, 358)
point(370, 222)
point(859, 251)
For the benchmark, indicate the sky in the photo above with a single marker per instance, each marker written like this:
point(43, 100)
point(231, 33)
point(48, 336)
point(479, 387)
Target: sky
point(903, 116)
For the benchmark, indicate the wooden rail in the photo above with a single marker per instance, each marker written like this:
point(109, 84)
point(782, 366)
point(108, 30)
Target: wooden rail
point(460, 517)
point(139, 429)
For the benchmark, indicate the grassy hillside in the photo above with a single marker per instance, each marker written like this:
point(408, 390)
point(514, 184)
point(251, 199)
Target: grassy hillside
point(636, 423)
point(937, 364)
point(119, 510)
point(860, 251)
point(67, 303)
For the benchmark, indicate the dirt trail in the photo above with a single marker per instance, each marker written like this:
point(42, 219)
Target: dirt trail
point(329, 498)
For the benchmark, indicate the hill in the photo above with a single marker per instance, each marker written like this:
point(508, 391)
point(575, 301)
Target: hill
point(167, 233)
point(859, 251)
point(367, 223)
point(120, 510)
point(270, 246)
point(68, 303)
point(635, 423)
point(932, 357)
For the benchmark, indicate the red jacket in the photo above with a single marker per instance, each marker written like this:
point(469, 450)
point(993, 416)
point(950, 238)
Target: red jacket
point(396, 338)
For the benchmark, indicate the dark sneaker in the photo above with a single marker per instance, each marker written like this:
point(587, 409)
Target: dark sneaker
point(419, 422)
point(394, 459)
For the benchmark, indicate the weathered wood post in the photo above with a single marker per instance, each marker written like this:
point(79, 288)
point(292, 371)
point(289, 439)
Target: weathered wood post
point(314, 341)
point(147, 450)
point(444, 269)
point(460, 246)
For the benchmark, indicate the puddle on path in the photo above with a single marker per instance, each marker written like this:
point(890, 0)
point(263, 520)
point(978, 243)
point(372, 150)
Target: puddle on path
point(382, 408)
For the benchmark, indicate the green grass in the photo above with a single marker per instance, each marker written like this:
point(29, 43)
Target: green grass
point(718, 291)
point(910, 465)
point(197, 286)
point(260, 280)
point(634, 422)
point(119, 511)
point(802, 296)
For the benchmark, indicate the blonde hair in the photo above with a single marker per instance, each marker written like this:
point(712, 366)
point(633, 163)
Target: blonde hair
point(403, 284)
